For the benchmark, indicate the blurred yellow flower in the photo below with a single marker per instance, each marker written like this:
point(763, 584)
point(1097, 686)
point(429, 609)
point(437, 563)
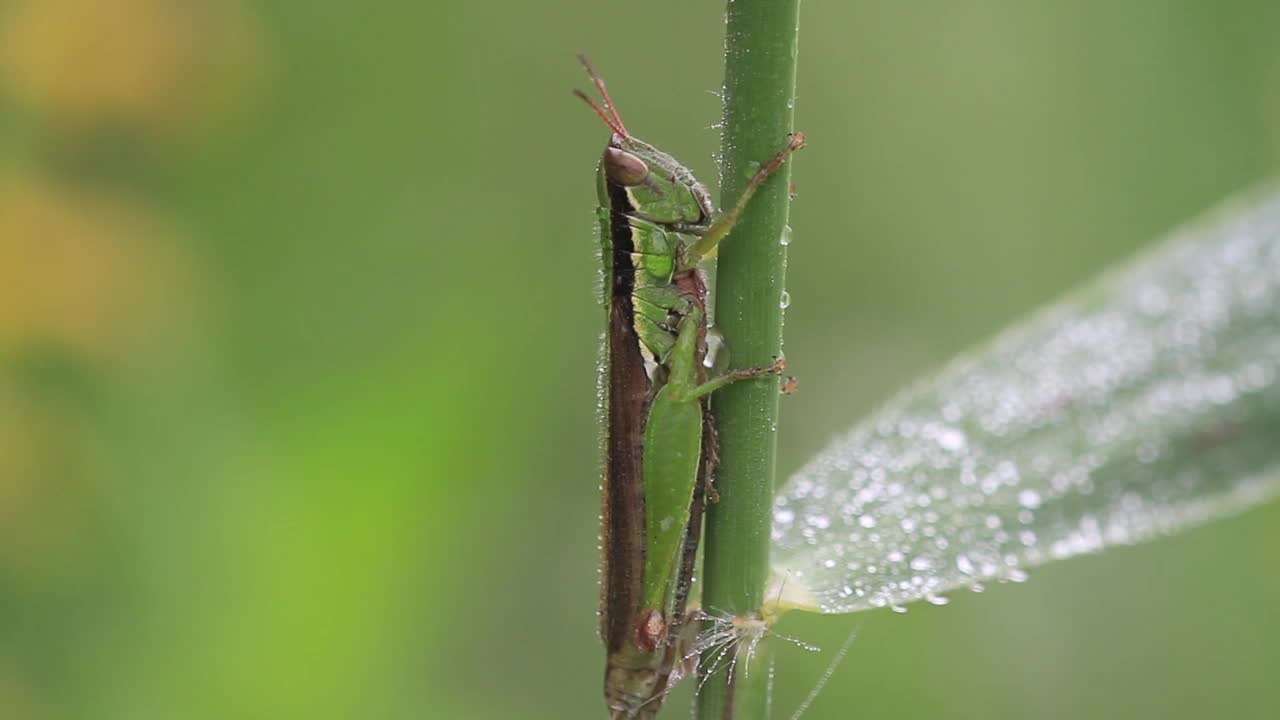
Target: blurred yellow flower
point(162, 64)
point(90, 271)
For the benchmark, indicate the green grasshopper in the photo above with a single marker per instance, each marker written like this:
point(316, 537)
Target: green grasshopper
point(657, 223)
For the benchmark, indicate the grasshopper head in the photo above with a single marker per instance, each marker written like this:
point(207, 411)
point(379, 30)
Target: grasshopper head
point(654, 185)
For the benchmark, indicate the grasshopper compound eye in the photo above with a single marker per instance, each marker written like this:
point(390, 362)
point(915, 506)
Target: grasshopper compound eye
point(624, 168)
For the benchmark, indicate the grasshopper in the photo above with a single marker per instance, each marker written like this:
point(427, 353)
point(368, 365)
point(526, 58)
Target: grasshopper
point(657, 222)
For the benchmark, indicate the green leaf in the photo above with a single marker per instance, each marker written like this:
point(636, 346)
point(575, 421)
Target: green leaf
point(1142, 404)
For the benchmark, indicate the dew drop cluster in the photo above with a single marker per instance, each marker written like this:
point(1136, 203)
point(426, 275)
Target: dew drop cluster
point(1143, 404)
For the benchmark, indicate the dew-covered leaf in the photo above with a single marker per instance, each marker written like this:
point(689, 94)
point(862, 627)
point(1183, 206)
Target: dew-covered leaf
point(1144, 403)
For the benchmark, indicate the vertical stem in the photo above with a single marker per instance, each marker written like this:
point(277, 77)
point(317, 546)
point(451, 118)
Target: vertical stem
point(759, 91)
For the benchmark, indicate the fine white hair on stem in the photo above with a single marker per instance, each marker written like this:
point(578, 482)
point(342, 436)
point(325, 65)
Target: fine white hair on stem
point(831, 669)
point(768, 687)
point(731, 640)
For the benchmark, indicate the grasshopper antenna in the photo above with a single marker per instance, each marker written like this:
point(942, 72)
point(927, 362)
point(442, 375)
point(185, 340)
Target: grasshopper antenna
point(610, 118)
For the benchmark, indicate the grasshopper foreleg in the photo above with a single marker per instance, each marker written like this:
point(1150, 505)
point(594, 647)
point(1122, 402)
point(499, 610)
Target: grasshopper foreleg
point(720, 228)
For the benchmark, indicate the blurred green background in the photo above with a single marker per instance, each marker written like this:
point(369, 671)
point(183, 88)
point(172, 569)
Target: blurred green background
point(297, 339)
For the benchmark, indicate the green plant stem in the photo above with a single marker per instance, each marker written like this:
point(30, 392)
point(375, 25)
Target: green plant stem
point(759, 91)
